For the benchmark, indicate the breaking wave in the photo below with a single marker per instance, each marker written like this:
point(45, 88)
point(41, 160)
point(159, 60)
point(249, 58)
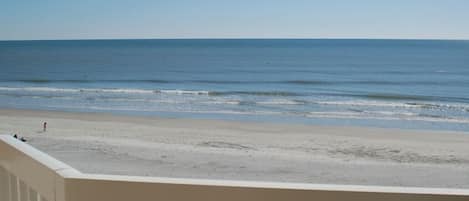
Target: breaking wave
point(234, 82)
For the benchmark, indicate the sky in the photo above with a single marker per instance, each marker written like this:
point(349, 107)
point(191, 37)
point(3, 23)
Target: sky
point(123, 19)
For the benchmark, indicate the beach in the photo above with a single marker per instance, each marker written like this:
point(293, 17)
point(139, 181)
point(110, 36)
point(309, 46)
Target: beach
point(235, 150)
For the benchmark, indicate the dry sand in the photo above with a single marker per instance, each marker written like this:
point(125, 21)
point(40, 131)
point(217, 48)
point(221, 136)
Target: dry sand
point(150, 146)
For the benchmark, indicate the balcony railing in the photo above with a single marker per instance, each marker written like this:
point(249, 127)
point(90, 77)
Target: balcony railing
point(27, 174)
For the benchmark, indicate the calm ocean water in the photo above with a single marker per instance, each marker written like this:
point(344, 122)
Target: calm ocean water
point(418, 84)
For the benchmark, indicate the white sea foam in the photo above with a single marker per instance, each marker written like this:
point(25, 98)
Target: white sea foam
point(227, 112)
point(280, 102)
point(53, 97)
point(181, 92)
point(269, 102)
point(222, 102)
point(74, 90)
point(38, 89)
point(368, 103)
point(365, 103)
point(130, 91)
point(388, 116)
point(102, 90)
point(237, 112)
point(391, 113)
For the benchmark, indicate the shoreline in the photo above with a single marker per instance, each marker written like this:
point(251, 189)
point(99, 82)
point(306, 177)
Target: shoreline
point(218, 149)
point(138, 118)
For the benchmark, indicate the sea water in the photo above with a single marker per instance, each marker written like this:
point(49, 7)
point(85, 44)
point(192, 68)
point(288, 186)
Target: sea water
point(421, 84)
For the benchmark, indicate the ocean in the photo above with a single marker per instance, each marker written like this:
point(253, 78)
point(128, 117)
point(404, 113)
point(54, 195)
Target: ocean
point(414, 84)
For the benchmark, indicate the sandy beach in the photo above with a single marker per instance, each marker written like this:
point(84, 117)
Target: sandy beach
point(151, 146)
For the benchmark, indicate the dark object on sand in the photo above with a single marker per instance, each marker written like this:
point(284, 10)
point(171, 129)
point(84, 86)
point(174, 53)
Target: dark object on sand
point(22, 138)
point(45, 126)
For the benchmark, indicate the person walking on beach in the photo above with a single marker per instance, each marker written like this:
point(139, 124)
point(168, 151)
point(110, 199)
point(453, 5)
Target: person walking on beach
point(45, 127)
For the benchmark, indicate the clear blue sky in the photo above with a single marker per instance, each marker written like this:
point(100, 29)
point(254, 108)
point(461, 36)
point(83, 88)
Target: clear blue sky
point(86, 19)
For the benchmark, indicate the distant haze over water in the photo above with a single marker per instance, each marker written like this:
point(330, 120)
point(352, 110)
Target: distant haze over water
point(421, 84)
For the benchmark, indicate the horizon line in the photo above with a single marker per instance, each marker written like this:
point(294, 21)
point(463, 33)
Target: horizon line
point(234, 38)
